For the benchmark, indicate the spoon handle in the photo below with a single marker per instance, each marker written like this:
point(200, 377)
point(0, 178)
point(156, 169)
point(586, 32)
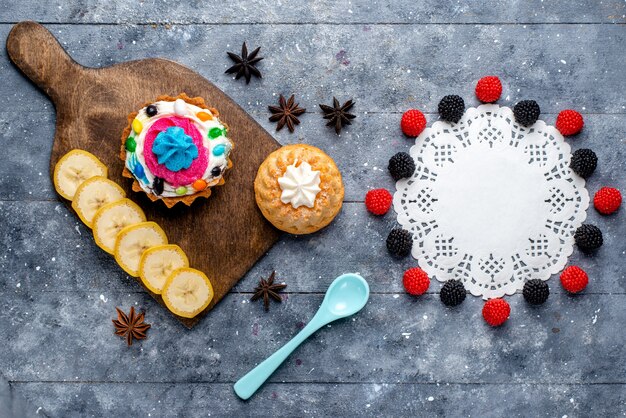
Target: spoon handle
point(247, 385)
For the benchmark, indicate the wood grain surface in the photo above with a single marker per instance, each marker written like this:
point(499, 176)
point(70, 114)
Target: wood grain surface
point(223, 235)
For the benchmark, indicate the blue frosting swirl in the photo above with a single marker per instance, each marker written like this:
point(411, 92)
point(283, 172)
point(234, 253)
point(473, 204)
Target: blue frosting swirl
point(174, 148)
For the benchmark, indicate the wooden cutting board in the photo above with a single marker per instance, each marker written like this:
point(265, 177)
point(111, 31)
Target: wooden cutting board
point(223, 235)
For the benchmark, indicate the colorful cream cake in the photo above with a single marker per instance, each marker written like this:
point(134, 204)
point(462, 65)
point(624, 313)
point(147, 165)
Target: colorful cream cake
point(176, 149)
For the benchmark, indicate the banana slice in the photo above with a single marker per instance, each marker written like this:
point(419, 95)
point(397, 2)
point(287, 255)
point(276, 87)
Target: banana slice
point(110, 219)
point(133, 240)
point(73, 169)
point(187, 292)
point(92, 195)
point(158, 263)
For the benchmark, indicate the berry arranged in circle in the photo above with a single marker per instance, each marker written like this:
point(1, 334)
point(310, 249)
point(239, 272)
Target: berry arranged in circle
point(574, 279)
point(496, 312)
point(378, 201)
point(526, 112)
point(588, 237)
point(607, 200)
point(536, 291)
point(569, 122)
point(401, 166)
point(399, 242)
point(413, 123)
point(415, 281)
point(451, 108)
point(489, 89)
point(584, 162)
point(452, 293)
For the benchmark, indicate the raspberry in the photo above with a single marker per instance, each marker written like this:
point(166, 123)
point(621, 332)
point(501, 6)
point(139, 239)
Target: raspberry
point(536, 291)
point(588, 237)
point(607, 200)
point(526, 112)
point(399, 242)
point(378, 201)
point(569, 122)
point(401, 166)
point(451, 108)
point(489, 89)
point(452, 293)
point(415, 281)
point(574, 279)
point(413, 123)
point(584, 162)
point(496, 312)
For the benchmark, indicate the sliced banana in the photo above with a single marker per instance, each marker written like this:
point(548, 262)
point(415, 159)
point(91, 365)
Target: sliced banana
point(158, 263)
point(94, 193)
point(73, 169)
point(133, 240)
point(110, 219)
point(187, 292)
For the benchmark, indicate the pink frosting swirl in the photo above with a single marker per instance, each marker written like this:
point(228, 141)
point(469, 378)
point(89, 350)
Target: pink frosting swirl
point(186, 175)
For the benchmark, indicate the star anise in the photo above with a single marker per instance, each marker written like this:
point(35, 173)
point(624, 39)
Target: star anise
point(286, 113)
point(266, 290)
point(130, 326)
point(245, 65)
point(338, 115)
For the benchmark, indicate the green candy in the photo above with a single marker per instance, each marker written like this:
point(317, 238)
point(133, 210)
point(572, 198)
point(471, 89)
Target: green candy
point(215, 133)
point(181, 190)
point(130, 144)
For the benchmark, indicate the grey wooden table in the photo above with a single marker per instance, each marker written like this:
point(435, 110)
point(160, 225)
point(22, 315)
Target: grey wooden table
point(401, 356)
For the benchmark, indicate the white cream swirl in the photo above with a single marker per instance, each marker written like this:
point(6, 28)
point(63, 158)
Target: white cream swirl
point(300, 185)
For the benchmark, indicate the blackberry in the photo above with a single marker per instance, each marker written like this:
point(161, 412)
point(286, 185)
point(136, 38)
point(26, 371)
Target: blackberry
point(401, 166)
point(584, 162)
point(536, 291)
point(399, 242)
point(151, 110)
point(451, 108)
point(588, 237)
point(452, 293)
point(526, 112)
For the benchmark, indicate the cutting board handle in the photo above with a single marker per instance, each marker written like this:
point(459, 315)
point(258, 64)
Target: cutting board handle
point(35, 51)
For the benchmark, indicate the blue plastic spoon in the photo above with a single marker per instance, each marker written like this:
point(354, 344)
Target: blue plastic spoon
point(345, 296)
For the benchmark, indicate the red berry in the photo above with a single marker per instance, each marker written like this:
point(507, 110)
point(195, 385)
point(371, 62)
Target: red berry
point(413, 123)
point(569, 122)
point(415, 281)
point(496, 312)
point(378, 201)
point(489, 89)
point(607, 200)
point(574, 279)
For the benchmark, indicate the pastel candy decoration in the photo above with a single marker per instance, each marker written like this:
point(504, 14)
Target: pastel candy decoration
point(174, 148)
point(184, 176)
point(136, 168)
point(180, 107)
point(215, 133)
point(219, 149)
point(137, 125)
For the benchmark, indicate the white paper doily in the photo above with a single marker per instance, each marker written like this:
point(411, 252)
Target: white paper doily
point(491, 203)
